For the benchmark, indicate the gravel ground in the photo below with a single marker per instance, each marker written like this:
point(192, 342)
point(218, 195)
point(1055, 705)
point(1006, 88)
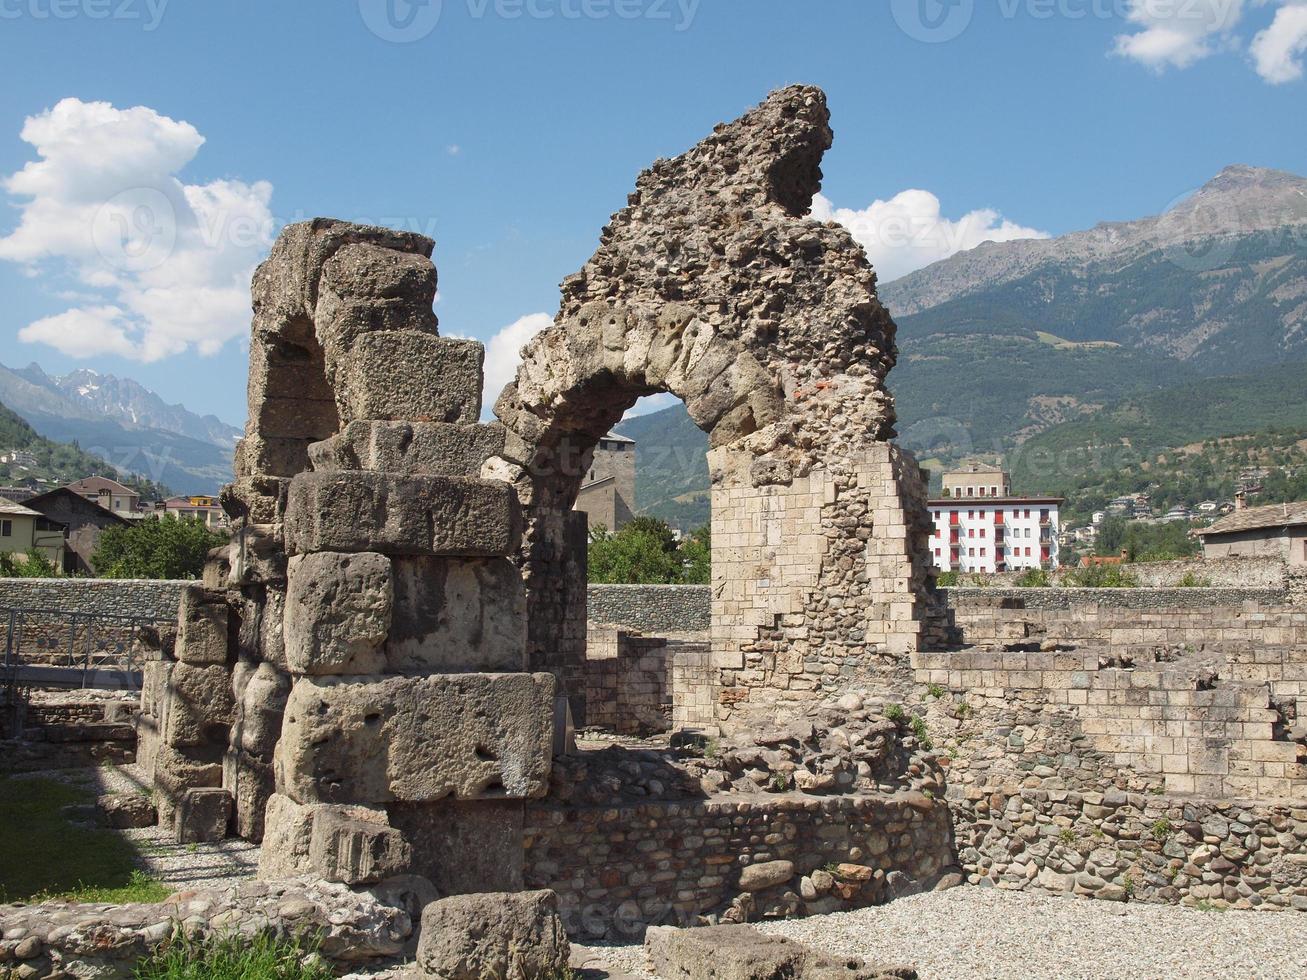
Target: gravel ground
point(973, 932)
point(180, 866)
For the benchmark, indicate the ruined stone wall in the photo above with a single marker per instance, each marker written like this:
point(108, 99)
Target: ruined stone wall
point(104, 597)
point(1220, 573)
point(627, 685)
point(618, 870)
point(657, 609)
point(66, 730)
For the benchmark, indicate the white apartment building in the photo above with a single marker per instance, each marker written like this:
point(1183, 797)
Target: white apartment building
point(981, 527)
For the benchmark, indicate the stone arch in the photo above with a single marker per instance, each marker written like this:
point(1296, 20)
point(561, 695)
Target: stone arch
point(714, 285)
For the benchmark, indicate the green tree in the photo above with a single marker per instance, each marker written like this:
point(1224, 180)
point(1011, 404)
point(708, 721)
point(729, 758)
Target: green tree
point(161, 548)
point(696, 556)
point(645, 552)
point(33, 565)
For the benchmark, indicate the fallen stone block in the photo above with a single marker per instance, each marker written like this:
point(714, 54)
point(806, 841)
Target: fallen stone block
point(455, 614)
point(742, 953)
point(356, 852)
point(338, 613)
point(399, 739)
point(202, 631)
point(408, 375)
point(402, 515)
point(769, 874)
point(493, 936)
point(202, 815)
point(410, 448)
point(124, 811)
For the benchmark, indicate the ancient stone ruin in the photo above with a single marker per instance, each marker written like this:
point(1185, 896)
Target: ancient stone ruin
point(353, 682)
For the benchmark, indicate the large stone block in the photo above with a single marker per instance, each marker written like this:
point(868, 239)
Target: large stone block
point(251, 782)
point(256, 499)
point(367, 288)
point(338, 613)
point(401, 515)
point(257, 556)
point(743, 953)
point(202, 815)
point(493, 936)
point(413, 448)
point(400, 739)
point(354, 851)
point(407, 375)
point(464, 847)
point(455, 614)
point(202, 627)
point(201, 706)
point(258, 716)
point(288, 834)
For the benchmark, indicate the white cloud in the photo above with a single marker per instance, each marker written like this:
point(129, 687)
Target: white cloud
point(1277, 51)
point(157, 266)
point(504, 354)
point(909, 231)
point(1177, 33)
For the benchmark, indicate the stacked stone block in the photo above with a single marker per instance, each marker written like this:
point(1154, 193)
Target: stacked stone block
point(412, 731)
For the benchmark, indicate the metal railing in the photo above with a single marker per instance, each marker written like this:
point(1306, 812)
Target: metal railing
point(59, 648)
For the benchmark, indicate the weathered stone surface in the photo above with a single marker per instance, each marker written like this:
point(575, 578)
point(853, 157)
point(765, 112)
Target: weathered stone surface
point(769, 874)
point(251, 782)
point(355, 928)
point(742, 953)
point(122, 811)
point(464, 847)
point(338, 613)
point(200, 706)
point(257, 555)
point(256, 499)
point(377, 740)
point(412, 448)
point(406, 375)
point(354, 851)
point(202, 632)
point(288, 834)
point(202, 815)
point(401, 515)
point(258, 717)
point(455, 615)
point(493, 936)
point(367, 288)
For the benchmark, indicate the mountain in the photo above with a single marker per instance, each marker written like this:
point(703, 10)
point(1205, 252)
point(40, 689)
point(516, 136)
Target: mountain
point(46, 464)
point(1006, 340)
point(671, 467)
point(1164, 331)
point(125, 423)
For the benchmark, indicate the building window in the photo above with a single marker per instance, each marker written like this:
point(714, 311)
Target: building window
point(982, 552)
point(971, 552)
point(982, 532)
point(971, 532)
point(6, 529)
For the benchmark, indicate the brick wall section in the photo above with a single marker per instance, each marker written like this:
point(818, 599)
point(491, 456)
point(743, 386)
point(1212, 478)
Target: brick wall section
point(105, 597)
point(618, 870)
point(627, 688)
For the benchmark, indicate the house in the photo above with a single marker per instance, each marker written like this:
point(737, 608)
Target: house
point(993, 531)
point(109, 494)
point(607, 493)
point(83, 523)
point(23, 530)
point(199, 507)
point(1272, 531)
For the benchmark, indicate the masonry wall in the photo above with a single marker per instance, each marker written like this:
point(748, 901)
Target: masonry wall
point(618, 870)
point(657, 609)
point(104, 597)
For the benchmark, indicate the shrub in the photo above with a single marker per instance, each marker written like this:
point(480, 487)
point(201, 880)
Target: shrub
point(1192, 581)
point(1034, 578)
point(935, 691)
point(234, 957)
point(1101, 577)
point(895, 713)
point(921, 732)
point(947, 580)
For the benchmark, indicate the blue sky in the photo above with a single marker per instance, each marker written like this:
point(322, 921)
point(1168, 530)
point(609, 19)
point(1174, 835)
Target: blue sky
point(510, 131)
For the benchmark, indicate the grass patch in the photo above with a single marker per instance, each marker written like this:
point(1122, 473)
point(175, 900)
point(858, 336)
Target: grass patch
point(235, 958)
point(45, 856)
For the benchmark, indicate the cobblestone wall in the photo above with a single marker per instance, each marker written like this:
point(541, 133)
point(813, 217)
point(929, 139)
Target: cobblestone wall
point(105, 597)
point(965, 598)
point(1237, 573)
point(656, 609)
point(618, 870)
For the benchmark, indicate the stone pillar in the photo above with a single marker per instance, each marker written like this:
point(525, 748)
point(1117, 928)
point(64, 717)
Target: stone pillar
point(413, 732)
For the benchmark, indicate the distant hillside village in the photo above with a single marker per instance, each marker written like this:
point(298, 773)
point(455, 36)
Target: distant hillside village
point(65, 524)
